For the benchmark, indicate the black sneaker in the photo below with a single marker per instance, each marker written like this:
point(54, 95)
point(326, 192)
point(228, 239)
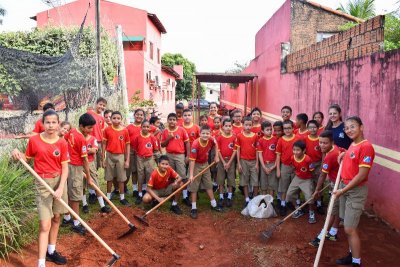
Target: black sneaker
point(138, 200)
point(331, 237)
point(56, 257)
point(126, 190)
point(241, 190)
point(79, 229)
point(154, 203)
point(282, 210)
point(193, 214)
point(67, 222)
point(315, 242)
point(114, 194)
point(221, 202)
point(215, 188)
point(105, 209)
point(347, 260)
point(320, 210)
point(92, 199)
point(85, 209)
point(144, 192)
point(229, 202)
point(135, 193)
point(175, 209)
point(216, 208)
point(187, 202)
point(124, 202)
point(289, 205)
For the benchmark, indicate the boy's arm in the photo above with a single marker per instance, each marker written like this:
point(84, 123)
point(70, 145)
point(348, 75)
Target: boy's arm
point(216, 157)
point(238, 159)
point(278, 165)
point(321, 179)
point(63, 179)
point(154, 195)
point(221, 158)
point(103, 151)
point(86, 170)
point(257, 164)
point(16, 154)
point(187, 149)
point(191, 170)
point(232, 158)
point(127, 155)
point(260, 158)
point(165, 142)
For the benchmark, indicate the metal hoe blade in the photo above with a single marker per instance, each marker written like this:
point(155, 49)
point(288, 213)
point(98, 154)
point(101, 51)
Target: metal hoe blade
point(132, 229)
point(142, 220)
point(113, 260)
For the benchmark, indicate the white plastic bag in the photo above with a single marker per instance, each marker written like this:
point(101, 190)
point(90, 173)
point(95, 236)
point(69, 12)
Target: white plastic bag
point(260, 207)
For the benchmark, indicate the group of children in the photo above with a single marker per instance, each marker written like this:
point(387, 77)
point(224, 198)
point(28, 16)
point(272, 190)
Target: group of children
point(281, 159)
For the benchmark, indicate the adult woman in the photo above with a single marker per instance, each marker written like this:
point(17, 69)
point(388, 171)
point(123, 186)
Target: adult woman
point(213, 112)
point(336, 125)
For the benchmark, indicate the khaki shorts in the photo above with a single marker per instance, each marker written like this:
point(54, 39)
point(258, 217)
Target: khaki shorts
point(316, 172)
point(204, 180)
point(93, 175)
point(132, 164)
point(75, 182)
point(177, 162)
point(352, 204)
point(287, 174)
point(230, 174)
point(249, 175)
point(145, 167)
point(46, 204)
point(115, 166)
point(98, 157)
point(164, 192)
point(269, 181)
point(305, 185)
point(335, 209)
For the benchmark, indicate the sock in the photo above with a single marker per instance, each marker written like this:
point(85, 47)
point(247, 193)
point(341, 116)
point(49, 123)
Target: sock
point(121, 196)
point(51, 249)
point(92, 192)
point(283, 203)
point(109, 195)
point(101, 201)
point(230, 195)
point(298, 202)
point(319, 203)
point(41, 262)
point(247, 199)
point(194, 206)
point(174, 203)
point(134, 187)
point(76, 222)
point(140, 194)
point(67, 217)
point(185, 193)
point(221, 196)
point(84, 201)
point(144, 187)
point(279, 196)
point(333, 231)
point(320, 236)
point(355, 260)
point(213, 203)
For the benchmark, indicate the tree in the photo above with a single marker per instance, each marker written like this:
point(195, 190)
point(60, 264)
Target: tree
point(392, 31)
point(363, 9)
point(3, 12)
point(238, 68)
point(184, 86)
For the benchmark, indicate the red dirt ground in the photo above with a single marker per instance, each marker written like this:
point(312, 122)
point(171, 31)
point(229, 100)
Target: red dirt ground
point(229, 239)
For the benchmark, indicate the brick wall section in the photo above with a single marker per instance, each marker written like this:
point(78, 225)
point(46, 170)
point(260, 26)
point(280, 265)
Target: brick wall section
point(362, 40)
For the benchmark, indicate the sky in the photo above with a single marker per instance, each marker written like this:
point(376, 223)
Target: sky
point(214, 34)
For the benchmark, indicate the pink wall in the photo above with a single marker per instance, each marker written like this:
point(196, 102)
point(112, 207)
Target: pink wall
point(368, 87)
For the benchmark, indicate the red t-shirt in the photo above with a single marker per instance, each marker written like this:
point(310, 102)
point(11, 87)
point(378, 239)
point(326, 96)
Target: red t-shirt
point(134, 131)
point(153, 129)
point(77, 147)
point(198, 152)
point(301, 135)
point(193, 131)
point(247, 145)
point(145, 145)
point(91, 143)
point(312, 149)
point(284, 147)
point(39, 127)
point(330, 164)
point(268, 147)
point(358, 155)
point(237, 129)
point(257, 130)
point(226, 144)
point(179, 122)
point(159, 181)
point(99, 126)
point(215, 133)
point(48, 156)
point(176, 145)
point(211, 122)
point(320, 130)
point(116, 139)
point(304, 167)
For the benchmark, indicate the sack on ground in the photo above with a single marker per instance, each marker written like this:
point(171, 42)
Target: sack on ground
point(260, 207)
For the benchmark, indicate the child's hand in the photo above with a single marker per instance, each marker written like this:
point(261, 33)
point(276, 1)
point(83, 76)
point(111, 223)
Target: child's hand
point(59, 192)
point(126, 165)
point(186, 160)
point(170, 135)
point(340, 157)
point(316, 195)
point(160, 199)
point(16, 154)
point(278, 173)
point(89, 180)
point(240, 168)
point(227, 166)
point(216, 159)
point(265, 169)
point(257, 168)
point(191, 178)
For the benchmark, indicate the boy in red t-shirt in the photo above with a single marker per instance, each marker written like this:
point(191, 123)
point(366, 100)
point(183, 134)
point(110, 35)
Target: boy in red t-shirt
point(301, 123)
point(215, 132)
point(203, 120)
point(77, 147)
point(176, 142)
point(163, 181)
point(302, 180)
point(50, 154)
point(116, 155)
point(246, 144)
point(97, 113)
point(107, 118)
point(278, 129)
point(267, 157)
point(198, 162)
point(155, 123)
point(227, 164)
point(179, 108)
point(145, 145)
point(237, 126)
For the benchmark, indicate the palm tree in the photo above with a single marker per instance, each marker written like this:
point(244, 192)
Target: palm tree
point(3, 12)
point(363, 9)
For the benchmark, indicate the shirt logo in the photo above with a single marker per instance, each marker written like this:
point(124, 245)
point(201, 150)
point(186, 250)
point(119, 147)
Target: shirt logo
point(194, 150)
point(84, 149)
point(89, 146)
point(272, 147)
point(120, 137)
point(367, 159)
point(56, 153)
point(341, 135)
point(303, 169)
point(177, 137)
point(148, 145)
point(230, 145)
point(352, 155)
point(192, 134)
point(325, 166)
point(317, 148)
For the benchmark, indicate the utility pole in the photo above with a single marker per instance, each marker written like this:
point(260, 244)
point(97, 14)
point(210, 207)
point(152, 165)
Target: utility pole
point(98, 50)
point(122, 72)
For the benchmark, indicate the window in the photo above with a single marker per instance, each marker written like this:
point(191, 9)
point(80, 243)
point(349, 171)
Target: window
point(158, 55)
point(151, 50)
point(323, 35)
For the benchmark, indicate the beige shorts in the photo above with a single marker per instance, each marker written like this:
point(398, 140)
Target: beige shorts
point(352, 204)
point(98, 157)
point(305, 185)
point(93, 175)
point(229, 175)
point(164, 192)
point(269, 181)
point(249, 175)
point(316, 172)
point(177, 162)
point(46, 204)
point(335, 209)
point(75, 182)
point(145, 167)
point(132, 164)
point(115, 166)
point(204, 180)
point(287, 174)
